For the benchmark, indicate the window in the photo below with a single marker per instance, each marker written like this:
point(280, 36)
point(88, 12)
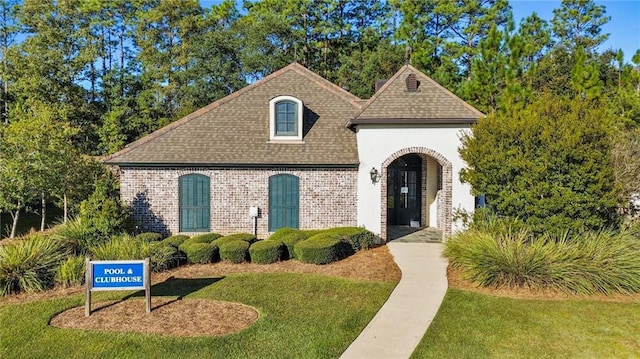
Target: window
point(284, 198)
point(194, 203)
point(285, 119)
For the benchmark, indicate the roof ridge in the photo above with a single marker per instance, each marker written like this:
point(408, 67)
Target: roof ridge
point(380, 91)
point(300, 69)
point(447, 92)
point(324, 82)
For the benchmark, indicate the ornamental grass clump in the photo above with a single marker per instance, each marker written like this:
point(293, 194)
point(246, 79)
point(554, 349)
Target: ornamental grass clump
point(76, 236)
point(267, 251)
point(162, 255)
point(590, 262)
point(71, 272)
point(235, 252)
point(30, 264)
point(149, 237)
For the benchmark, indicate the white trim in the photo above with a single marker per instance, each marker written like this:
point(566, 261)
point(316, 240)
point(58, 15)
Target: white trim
point(272, 120)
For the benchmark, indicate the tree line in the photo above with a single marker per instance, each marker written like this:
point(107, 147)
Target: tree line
point(106, 73)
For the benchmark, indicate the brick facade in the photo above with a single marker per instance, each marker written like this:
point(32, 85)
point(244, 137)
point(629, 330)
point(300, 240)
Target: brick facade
point(327, 197)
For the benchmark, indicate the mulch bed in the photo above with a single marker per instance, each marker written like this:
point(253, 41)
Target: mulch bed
point(168, 317)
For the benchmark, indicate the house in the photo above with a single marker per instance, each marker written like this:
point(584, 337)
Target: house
point(295, 150)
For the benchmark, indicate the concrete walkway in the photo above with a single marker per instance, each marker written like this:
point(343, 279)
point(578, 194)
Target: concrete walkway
point(402, 321)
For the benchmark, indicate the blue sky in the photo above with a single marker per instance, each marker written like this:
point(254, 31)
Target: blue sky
point(623, 28)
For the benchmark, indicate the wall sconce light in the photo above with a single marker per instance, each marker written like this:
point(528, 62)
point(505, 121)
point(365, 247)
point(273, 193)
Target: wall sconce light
point(375, 175)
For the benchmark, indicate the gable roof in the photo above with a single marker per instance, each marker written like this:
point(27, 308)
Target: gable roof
point(234, 131)
point(431, 103)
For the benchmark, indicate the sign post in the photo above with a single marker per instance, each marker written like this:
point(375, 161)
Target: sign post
point(117, 275)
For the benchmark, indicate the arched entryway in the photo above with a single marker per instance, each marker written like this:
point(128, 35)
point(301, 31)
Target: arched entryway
point(416, 187)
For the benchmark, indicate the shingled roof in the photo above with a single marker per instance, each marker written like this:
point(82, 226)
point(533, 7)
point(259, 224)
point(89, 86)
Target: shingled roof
point(399, 101)
point(234, 131)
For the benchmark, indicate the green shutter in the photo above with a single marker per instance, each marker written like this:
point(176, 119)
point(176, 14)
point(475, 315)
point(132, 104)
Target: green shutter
point(194, 203)
point(283, 202)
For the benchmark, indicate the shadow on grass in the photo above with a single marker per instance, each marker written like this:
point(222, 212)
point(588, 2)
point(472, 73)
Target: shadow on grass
point(171, 287)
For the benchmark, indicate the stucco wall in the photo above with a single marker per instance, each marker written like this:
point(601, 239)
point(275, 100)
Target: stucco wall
point(376, 143)
point(327, 197)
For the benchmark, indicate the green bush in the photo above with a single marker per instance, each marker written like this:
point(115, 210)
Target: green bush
point(203, 238)
point(357, 237)
point(71, 272)
point(312, 232)
point(149, 237)
point(289, 240)
point(76, 236)
point(103, 213)
point(235, 252)
point(249, 238)
point(322, 248)
point(605, 262)
point(29, 265)
point(265, 252)
point(200, 253)
point(277, 235)
point(176, 240)
point(162, 255)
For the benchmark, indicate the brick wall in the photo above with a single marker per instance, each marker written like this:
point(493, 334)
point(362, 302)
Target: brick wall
point(327, 197)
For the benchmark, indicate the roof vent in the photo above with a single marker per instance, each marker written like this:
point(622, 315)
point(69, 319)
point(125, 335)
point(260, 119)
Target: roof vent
point(379, 84)
point(412, 83)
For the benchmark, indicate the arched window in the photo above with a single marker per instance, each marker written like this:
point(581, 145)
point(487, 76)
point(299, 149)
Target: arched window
point(285, 119)
point(194, 203)
point(284, 201)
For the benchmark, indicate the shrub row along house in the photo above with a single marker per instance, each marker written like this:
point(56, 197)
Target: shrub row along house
point(304, 153)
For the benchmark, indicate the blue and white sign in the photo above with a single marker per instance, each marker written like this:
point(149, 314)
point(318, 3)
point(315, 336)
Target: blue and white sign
point(118, 275)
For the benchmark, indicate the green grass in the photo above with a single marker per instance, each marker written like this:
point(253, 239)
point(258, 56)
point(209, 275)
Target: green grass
point(471, 325)
point(301, 316)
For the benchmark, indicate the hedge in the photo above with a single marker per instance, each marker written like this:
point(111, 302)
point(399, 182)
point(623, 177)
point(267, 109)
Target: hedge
point(247, 237)
point(265, 252)
point(290, 240)
point(322, 248)
point(200, 253)
point(235, 251)
point(176, 240)
point(358, 237)
point(280, 233)
point(203, 238)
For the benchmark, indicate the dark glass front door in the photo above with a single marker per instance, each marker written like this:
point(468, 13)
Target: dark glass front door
point(404, 190)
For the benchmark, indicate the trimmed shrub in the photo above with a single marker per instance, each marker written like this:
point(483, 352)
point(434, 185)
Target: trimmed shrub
point(265, 252)
point(235, 252)
point(322, 248)
point(277, 235)
point(605, 262)
point(71, 272)
point(290, 240)
point(29, 265)
point(247, 237)
point(357, 237)
point(203, 238)
point(200, 253)
point(149, 237)
point(312, 232)
point(176, 240)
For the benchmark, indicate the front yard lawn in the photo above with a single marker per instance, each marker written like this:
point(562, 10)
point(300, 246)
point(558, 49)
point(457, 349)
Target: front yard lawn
point(473, 325)
point(301, 316)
